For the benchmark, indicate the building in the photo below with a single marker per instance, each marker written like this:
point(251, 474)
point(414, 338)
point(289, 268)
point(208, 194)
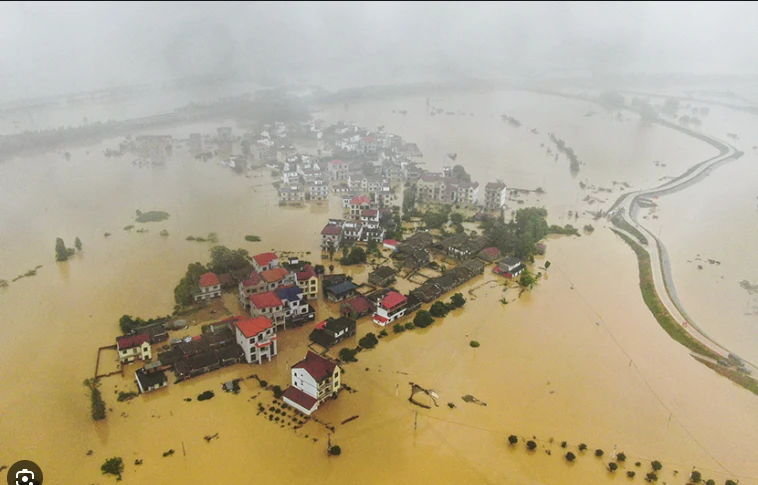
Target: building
point(341, 291)
point(489, 254)
point(297, 311)
point(357, 204)
point(332, 331)
point(210, 287)
point(462, 246)
point(268, 305)
point(494, 196)
point(389, 308)
point(150, 381)
point(337, 170)
point(264, 261)
point(307, 280)
point(357, 307)
point(314, 380)
point(277, 277)
point(291, 194)
point(390, 244)
point(258, 339)
point(382, 276)
point(132, 347)
point(250, 286)
point(331, 234)
point(420, 240)
point(509, 267)
point(317, 190)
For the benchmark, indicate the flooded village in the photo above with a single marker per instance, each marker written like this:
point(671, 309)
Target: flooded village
point(376, 282)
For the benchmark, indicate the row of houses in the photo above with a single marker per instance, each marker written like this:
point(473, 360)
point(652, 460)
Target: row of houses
point(433, 288)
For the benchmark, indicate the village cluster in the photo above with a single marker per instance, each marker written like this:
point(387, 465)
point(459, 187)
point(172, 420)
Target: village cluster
point(277, 294)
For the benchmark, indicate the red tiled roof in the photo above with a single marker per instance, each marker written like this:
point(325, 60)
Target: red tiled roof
point(360, 199)
point(264, 258)
point(381, 319)
point(274, 275)
point(253, 326)
point(209, 279)
point(331, 230)
point(307, 273)
point(253, 280)
point(320, 325)
point(390, 242)
point(318, 367)
point(369, 138)
point(359, 304)
point(131, 341)
point(302, 399)
point(338, 162)
point(393, 299)
point(369, 212)
point(491, 252)
point(265, 300)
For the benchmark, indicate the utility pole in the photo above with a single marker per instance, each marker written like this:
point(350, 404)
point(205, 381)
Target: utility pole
point(328, 443)
point(415, 420)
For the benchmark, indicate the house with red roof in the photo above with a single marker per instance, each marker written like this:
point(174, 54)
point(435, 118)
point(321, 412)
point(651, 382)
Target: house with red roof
point(264, 261)
point(390, 244)
point(331, 234)
point(209, 287)
point(314, 380)
point(389, 308)
point(370, 215)
point(489, 254)
point(257, 337)
point(307, 280)
point(269, 305)
point(274, 278)
point(357, 307)
point(132, 347)
point(358, 204)
point(249, 286)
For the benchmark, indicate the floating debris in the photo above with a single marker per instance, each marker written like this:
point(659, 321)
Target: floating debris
point(470, 398)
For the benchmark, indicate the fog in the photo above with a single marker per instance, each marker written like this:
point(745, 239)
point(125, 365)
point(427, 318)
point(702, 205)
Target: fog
point(51, 48)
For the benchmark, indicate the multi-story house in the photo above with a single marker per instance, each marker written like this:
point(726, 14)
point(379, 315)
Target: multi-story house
point(258, 339)
point(389, 308)
point(291, 194)
point(132, 347)
point(317, 190)
point(307, 280)
point(296, 308)
point(352, 231)
point(357, 204)
point(332, 331)
point(268, 305)
point(250, 286)
point(494, 195)
point(331, 234)
point(368, 145)
point(264, 261)
point(314, 380)
point(278, 277)
point(210, 287)
point(337, 170)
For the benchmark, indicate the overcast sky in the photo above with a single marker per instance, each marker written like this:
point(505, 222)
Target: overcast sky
point(59, 47)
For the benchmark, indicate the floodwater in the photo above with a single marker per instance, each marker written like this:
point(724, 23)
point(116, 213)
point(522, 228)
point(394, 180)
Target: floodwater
point(579, 359)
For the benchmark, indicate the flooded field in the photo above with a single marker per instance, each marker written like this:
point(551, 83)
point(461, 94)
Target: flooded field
point(579, 359)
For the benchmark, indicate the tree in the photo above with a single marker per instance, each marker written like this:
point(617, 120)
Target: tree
point(185, 290)
point(582, 447)
point(78, 243)
point(372, 247)
point(547, 264)
point(657, 466)
point(621, 457)
point(369, 341)
point(357, 256)
point(398, 328)
point(570, 456)
point(459, 172)
point(113, 466)
point(528, 280)
point(630, 474)
point(277, 391)
point(531, 445)
point(612, 466)
point(730, 482)
point(457, 300)
point(513, 439)
point(439, 309)
point(225, 260)
point(330, 249)
point(456, 218)
point(331, 268)
point(434, 220)
point(599, 452)
point(423, 319)
point(710, 481)
point(347, 355)
point(695, 476)
point(651, 477)
point(345, 252)
point(61, 254)
point(335, 450)
point(319, 269)
point(98, 405)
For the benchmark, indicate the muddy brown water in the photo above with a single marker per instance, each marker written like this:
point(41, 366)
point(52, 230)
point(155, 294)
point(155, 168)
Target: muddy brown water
point(578, 359)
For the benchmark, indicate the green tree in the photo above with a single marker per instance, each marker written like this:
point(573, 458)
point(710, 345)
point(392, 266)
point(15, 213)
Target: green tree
point(225, 260)
point(277, 391)
point(612, 466)
point(621, 457)
point(695, 476)
point(347, 355)
point(330, 249)
point(582, 447)
point(457, 300)
point(61, 254)
point(357, 256)
point(97, 403)
point(513, 439)
point(345, 252)
point(657, 465)
point(570, 456)
point(630, 474)
point(187, 287)
point(456, 218)
point(547, 264)
point(730, 482)
point(459, 172)
point(439, 309)
point(434, 220)
point(113, 466)
point(78, 243)
point(372, 247)
point(368, 341)
point(528, 280)
point(531, 445)
point(599, 452)
point(335, 450)
point(398, 328)
point(651, 477)
point(710, 481)
point(423, 319)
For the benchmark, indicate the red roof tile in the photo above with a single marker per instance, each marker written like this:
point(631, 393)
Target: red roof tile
point(131, 341)
point(390, 242)
point(338, 162)
point(369, 212)
point(318, 367)
point(265, 300)
point(359, 304)
point(253, 326)
point(380, 319)
point(253, 280)
point(491, 252)
point(307, 273)
point(209, 279)
point(331, 230)
point(369, 139)
point(393, 299)
point(274, 275)
point(302, 399)
point(360, 199)
point(264, 258)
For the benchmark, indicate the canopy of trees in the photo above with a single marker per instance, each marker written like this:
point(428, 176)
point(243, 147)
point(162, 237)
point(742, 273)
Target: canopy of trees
point(369, 341)
point(224, 260)
point(423, 319)
point(520, 236)
point(439, 309)
point(459, 172)
point(187, 287)
point(357, 256)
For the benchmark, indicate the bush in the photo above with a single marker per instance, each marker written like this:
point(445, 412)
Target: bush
point(277, 391)
point(630, 474)
point(730, 482)
point(651, 477)
point(513, 439)
point(474, 344)
point(357, 256)
point(113, 466)
point(599, 452)
point(335, 450)
point(589, 228)
point(383, 333)
point(657, 466)
point(129, 227)
point(398, 328)
point(621, 457)
point(457, 300)
point(152, 216)
point(125, 396)
point(263, 383)
point(347, 355)
point(531, 445)
point(164, 233)
point(570, 456)
point(205, 396)
point(61, 253)
point(612, 466)
point(564, 444)
point(410, 326)
point(439, 309)
point(97, 403)
point(582, 447)
point(423, 319)
point(250, 238)
point(369, 341)
point(695, 477)
point(710, 482)
point(107, 234)
point(78, 243)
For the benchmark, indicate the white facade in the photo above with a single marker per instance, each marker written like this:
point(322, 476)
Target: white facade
point(262, 345)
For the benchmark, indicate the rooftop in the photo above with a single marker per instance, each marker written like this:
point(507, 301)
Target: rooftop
point(339, 324)
point(360, 199)
point(341, 288)
point(150, 379)
point(318, 367)
point(359, 304)
point(307, 273)
point(331, 230)
point(209, 279)
point(302, 399)
point(393, 299)
point(274, 275)
point(264, 258)
point(131, 341)
point(289, 293)
point(253, 280)
point(265, 300)
point(383, 272)
point(253, 326)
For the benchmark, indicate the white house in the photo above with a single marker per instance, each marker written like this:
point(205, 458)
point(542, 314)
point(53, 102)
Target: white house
point(210, 287)
point(495, 194)
point(314, 380)
point(331, 233)
point(257, 338)
point(265, 261)
point(132, 347)
point(390, 308)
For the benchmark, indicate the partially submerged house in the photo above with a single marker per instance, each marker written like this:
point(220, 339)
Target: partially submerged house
point(341, 291)
point(509, 267)
point(149, 381)
point(390, 308)
point(357, 307)
point(132, 347)
point(210, 287)
point(332, 331)
point(258, 339)
point(314, 380)
point(382, 276)
point(297, 310)
point(489, 254)
point(307, 279)
point(268, 305)
point(265, 261)
point(462, 246)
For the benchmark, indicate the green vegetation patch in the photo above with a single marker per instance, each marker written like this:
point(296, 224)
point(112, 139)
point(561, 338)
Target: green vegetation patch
point(152, 216)
point(250, 238)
